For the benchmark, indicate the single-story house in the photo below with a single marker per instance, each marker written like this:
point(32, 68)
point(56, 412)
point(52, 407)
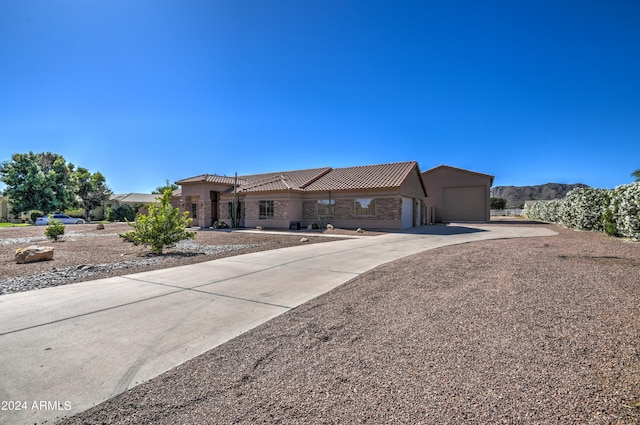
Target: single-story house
point(116, 200)
point(456, 194)
point(4, 208)
point(384, 196)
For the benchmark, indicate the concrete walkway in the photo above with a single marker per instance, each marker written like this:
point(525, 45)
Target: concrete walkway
point(65, 349)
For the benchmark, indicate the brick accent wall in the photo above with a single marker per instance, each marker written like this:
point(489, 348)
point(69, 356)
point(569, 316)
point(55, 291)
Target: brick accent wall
point(388, 208)
point(280, 210)
point(223, 211)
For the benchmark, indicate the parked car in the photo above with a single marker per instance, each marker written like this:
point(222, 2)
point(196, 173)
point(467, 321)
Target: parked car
point(63, 218)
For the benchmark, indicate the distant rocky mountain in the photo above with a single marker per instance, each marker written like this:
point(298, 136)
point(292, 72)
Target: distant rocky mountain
point(516, 195)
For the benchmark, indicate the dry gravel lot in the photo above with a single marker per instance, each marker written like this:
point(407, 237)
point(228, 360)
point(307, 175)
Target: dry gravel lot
point(542, 330)
point(85, 253)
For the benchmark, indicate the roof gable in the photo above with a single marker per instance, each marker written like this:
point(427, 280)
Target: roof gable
point(462, 170)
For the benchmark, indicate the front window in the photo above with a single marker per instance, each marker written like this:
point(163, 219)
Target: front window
point(365, 206)
point(266, 210)
point(326, 207)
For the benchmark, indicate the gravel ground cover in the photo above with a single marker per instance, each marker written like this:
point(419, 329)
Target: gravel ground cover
point(542, 330)
point(85, 253)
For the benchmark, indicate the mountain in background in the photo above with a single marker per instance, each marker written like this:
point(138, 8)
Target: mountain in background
point(516, 195)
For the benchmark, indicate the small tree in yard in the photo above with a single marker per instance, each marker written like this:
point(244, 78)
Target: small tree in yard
point(162, 226)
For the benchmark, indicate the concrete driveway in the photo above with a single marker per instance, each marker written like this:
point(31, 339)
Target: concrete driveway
point(65, 349)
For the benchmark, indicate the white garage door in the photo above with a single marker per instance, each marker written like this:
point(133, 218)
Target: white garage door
point(464, 203)
point(407, 213)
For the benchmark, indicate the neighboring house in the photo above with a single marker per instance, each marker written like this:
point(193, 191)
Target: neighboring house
point(119, 199)
point(384, 196)
point(456, 194)
point(4, 208)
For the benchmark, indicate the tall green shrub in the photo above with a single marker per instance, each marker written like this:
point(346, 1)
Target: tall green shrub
point(163, 226)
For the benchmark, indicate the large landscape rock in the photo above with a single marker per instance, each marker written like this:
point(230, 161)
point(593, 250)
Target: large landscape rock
point(33, 253)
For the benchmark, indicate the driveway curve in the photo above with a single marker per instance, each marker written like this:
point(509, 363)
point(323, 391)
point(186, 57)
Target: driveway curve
point(66, 349)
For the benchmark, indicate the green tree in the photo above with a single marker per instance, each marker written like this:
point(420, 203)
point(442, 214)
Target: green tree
point(160, 189)
point(38, 181)
point(92, 189)
point(636, 175)
point(498, 203)
point(162, 226)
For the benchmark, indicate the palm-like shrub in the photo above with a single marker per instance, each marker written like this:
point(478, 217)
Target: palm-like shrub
point(163, 226)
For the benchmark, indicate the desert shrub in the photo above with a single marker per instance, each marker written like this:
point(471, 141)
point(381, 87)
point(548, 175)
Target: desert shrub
point(163, 226)
point(35, 214)
point(54, 229)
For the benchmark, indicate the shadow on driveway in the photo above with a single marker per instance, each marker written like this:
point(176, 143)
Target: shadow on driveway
point(442, 230)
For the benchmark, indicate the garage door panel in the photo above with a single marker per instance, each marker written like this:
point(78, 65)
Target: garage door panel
point(464, 203)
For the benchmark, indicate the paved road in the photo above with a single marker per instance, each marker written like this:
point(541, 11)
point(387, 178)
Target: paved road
point(65, 349)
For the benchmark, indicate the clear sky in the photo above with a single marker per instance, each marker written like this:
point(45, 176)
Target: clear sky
point(148, 90)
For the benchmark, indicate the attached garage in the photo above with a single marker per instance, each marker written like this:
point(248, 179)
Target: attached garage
point(456, 194)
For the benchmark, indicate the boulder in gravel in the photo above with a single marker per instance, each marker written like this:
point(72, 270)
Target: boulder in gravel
point(258, 227)
point(33, 253)
point(100, 226)
point(304, 240)
point(329, 226)
point(359, 230)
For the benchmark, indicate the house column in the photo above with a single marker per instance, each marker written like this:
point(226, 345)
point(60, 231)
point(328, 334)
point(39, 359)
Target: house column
point(204, 213)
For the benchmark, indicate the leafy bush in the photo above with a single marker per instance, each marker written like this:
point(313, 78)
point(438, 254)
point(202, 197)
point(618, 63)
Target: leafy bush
point(122, 213)
point(583, 209)
point(616, 212)
point(35, 214)
point(77, 213)
point(162, 226)
point(54, 229)
point(623, 212)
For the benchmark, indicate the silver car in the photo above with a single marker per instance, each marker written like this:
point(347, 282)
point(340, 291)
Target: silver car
point(63, 218)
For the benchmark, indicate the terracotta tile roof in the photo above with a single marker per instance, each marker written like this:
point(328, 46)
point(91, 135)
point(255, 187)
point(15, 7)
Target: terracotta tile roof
point(317, 179)
point(363, 177)
point(284, 180)
point(209, 178)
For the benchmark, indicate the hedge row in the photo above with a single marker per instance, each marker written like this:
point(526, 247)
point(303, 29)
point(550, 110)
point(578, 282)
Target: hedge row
point(616, 212)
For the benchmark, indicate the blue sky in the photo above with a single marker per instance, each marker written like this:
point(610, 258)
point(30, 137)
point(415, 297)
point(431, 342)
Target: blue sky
point(148, 90)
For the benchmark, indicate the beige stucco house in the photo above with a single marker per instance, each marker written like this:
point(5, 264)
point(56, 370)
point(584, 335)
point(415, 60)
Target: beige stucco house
point(4, 208)
point(383, 196)
point(458, 195)
point(138, 200)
